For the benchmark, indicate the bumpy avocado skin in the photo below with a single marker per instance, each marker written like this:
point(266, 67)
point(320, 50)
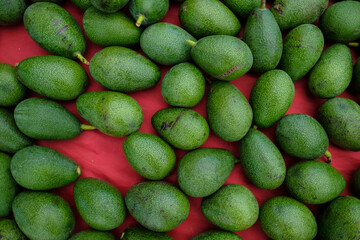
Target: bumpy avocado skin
point(217, 234)
point(11, 89)
point(152, 10)
point(242, 8)
point(109, 6)
point(92, 234)
point(10, 231)
point(354, 86)
point(82, 4)
point(11, 12)
point(140, 233)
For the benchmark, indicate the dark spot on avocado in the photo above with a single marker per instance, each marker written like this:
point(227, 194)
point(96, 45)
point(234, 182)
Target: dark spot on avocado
point(228, 72)
point(63, 29)
point(69, 47)
point(299, 46)
point(144, 169)
point(63, 39)
point(185, 8)
point(278, 8)
point(55, 24)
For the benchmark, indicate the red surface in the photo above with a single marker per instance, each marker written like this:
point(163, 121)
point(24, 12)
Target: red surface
point(101, 156)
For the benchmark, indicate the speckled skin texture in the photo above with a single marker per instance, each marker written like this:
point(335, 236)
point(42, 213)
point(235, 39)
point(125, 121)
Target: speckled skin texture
point(82, 4)
point(111, 29)
point(11, 11)
point(286, 218)
point(223, 57)
point(11, 139)
point(292, 13)
point(216, 235)
point(203, 171)
point(54, 29)
point(233, 207)
point(242, 8)
point(11, 90)
point(229, 113)
point(340, 220)
point(109, 6)
point(340, 117)
point(314, 182)
point(271, 97)
point(53, 1)
point(183, 85)
point(43, 168)
point(53, 76)
point(112, 113)
point(140, 233)
point(355, 182)
point(10, 231)
point(149, 155)
point(43, 216)
point(8, 187)
point(91, 234)
point(183, 128)
point(44, 119)
point(332, 73)
point(165, 43)
point(153, 10)
point(122, 69)
point(158, 206)
point(261, 160)
point(302, 48)
point(263, 36)
point(354, 86)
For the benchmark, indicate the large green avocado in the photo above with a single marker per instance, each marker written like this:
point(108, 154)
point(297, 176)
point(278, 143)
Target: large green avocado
point(140, 233)
point(92, 234)
point(216, 235)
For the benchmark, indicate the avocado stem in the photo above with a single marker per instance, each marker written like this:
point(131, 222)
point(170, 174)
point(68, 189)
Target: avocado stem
point(78, 170)
point(122, 235)
point(191, 43)
point(140, 19)
point(263, 4)
point(328, 156)
point(17, 64)
point(255, 127)
point(87, 127)
point(81, 58)
point(353, 44)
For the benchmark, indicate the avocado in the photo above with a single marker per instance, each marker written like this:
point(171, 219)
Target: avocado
point(11, 12)
point(261, 160)
point(109, 6)
point(223, 57)
point(183, 85)
point(340, 219)
point(92, 234)
point(43, 168)
point(165, 43)
point(136, 72)
point(271, 97)
point(147, 12)
point(149, 155)
point(203, 18)
point(10, 231)
point(82, 4)
point(43, 215)
point(286, 218)
point(53, 1)
point(140, 233)
point(233, 207)
point(340, 119)
point(242, 8)
point(181, 127)
point(53, 76)
point(303, 46)
point(99, 203)
point(157, 205)
point(11, 90)
point(228, 111)
point(203, 171)
point(112, 113)
point(354, 86)
point(217, 234)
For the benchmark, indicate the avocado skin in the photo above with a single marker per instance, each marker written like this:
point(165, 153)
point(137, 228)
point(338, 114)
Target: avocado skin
point(157, 205)
point(271, 97)
point(82, 4)
point(110, 29)
point(8, 187)
point(110, 6)
point(233, 207)
point(11, 139)
point(40, 118)
point(54, 29)
point(332, 73)
point(228, 111)
point(10, 231)
point(203, 171)
point(153, 10)
point(53, 76)
point(223, 57)
point(11, 90)
point(340, 119)
point(242, 8)
point(216, 234)
point(165, 43)
point(43, 216)
point(301, 136)
point(43, 168)
point(286, 218)
point(136, 72)
point(183, 85)
point(355, 183)
point(314, 182)
point(341, 219)
point(11, 12)
point(140, 233)
point(203, 18)
point(112, 113)
point(354, 86)
point(149, 155)
point(303, 46)
point(183, 128)
point(261, 160)
point(92, 234)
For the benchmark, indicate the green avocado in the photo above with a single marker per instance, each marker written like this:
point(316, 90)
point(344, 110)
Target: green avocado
point(156, 205)
point(355, 183)
point(303, 46)
point(340, 119)
point(203, 171)
point(53, 76)
point(11, 12)
point(147, 12)
point(43, 168)
point(140, 233)
point(43, 215)
point(99, 203)
point(11, 90)
point(92, 234)
point(10, 231)
point(242, 8)
point(216, 235)
point(228, 111)
point(82, 4)
point(53, 1)
point(288, 219)
point(136, 71)
point(354, 86)
point(109, 6)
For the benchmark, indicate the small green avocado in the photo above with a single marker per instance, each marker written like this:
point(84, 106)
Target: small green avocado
point(82, 4)
point(242, 8)
point(109, 6)
point(147, 12)
point(216, 234)
point(10, 231)
point(11, 12)
point(92, 234)
point(355, 183)
point(140, 233)
point(11, 90)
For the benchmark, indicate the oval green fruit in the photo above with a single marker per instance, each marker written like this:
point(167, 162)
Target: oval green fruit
point(82, 4)
point(109, 6)
point(91, 234)
point(147, 12)
point(355, 182)
point(216, 234)
point(53, 1)
point(140, 233)
point(11, 90)
point(11, 12)
point(10, 231)
point(242, 8)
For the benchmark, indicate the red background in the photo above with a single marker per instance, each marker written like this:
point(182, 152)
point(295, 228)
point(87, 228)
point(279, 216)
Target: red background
point(101, 156)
